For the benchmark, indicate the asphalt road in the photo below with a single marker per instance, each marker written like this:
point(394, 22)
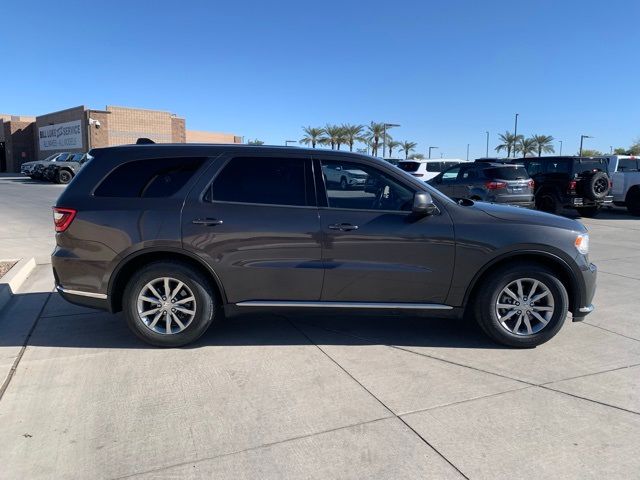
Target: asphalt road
point(333, 396)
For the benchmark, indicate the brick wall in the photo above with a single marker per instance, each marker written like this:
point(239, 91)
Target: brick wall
point(126, 125)
point(198, 136)
point(178, 133)
point(19, 144)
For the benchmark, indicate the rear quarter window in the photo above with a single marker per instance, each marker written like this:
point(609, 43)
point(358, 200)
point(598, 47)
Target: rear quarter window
point(149, 178)
point(409, 166)
point(627, 165)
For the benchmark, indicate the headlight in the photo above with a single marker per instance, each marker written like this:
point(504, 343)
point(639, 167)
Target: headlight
point(582, 243)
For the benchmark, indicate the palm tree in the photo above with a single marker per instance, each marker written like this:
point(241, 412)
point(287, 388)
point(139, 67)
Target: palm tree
point(509, 142)
point(255, 142)
point(313, 136)
point(407, 148)
point(352, 134)
point(374, 133)
point(543, 143)
point(525, 146)
point(334, 136)
point(391, 144)
point(417, 156)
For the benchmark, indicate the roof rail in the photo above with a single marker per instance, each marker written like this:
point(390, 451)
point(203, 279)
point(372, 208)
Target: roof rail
point(144, 141)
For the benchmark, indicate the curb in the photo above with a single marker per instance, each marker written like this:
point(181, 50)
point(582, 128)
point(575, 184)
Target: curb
point(14, 278)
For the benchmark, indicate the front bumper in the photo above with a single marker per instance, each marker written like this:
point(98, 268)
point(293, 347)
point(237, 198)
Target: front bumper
point(585, 307)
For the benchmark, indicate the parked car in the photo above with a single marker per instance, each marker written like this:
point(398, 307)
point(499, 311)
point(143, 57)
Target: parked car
point(427, 169)
point(344, 178)
point(487, 182)
point(580, 183)
point(35, 169)
point(64, 171)
point(174, 234)
point(625, 173)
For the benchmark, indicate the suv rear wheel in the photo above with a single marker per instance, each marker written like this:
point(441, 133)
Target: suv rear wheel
point(522, 305)
point(548, 202)
point(168, 304)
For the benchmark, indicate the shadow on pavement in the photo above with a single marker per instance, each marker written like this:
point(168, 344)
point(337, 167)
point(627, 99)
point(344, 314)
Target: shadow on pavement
point(97, 329)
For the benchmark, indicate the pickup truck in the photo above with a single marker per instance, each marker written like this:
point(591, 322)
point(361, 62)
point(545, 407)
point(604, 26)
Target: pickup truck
point(64, 171)
point(625, 173)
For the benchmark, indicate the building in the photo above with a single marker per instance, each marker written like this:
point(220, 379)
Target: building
point(79, 129)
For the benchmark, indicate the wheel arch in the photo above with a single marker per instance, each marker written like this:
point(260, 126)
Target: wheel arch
point(634, 190)
point(556, 264)
point(129, 265)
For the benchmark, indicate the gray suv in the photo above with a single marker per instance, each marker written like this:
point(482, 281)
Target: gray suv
point(175, 236)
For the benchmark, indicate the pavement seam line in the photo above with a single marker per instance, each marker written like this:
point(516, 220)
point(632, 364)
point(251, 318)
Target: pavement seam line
point(620, 275)
point(590, 374)
point(424, 440)
point(250, 449)
point(540, 385)
point(611, 331)
point(589, 399)
point(16, 362)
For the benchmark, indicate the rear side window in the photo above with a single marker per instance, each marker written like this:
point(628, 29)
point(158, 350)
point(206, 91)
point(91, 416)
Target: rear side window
point(434, 166)
point(506, 173)
point(581, 167)
point(154, 177)
point(410, 166)
point(267, 180)
point(627, 165)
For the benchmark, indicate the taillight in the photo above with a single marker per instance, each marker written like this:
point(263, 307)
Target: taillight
point(495, 185)
point(531, 184)
point(572, 186)
point(62, 218)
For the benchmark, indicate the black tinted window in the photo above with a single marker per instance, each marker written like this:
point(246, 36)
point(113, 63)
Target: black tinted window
point(434, 166)
point(627, 165)
point(274, 181)
point(590, 165)
point(409, 166)
point(534, 167)
point(559, 166)
point(155, 177)
point(506, 173)
point(355, 186)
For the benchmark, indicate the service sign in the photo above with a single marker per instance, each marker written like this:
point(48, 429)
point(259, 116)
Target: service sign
point(61, 136)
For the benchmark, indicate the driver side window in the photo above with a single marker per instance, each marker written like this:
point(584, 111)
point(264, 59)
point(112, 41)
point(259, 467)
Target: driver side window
point(361, 187)
point(450, 175)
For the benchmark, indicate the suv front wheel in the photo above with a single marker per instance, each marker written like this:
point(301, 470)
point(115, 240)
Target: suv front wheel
point(168, 304)
point(522, 305)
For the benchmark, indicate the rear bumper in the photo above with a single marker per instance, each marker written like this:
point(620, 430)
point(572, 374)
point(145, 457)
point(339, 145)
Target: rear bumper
point(84, 299)
point(585, 202)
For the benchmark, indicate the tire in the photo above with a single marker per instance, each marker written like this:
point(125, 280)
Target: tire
point(588, 212)
point(633, 202)
point(511, 333)
point(596, 187)
point(195, 285)
point(64, 177)
point(343, 183)
point(548, 202)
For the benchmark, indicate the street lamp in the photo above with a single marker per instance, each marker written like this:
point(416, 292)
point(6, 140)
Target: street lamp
point(468, 151)
point(431, 148)
point(582, 137)
point(560, 147)
point(487, 154)
point(384, 136)
point(515, 136)
point(287, 142)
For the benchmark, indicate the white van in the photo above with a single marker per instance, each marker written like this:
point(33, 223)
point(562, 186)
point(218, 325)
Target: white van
point(426, 169)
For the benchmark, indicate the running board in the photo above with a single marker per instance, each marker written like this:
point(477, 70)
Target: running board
point(392, 306)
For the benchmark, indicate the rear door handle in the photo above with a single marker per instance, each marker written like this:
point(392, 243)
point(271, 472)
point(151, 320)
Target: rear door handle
point(343, 227)
point(207, 222)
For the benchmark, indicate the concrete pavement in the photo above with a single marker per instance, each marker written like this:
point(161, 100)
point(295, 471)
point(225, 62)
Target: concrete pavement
point(332, 396)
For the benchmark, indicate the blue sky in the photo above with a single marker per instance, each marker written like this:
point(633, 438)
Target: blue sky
point(445, 70)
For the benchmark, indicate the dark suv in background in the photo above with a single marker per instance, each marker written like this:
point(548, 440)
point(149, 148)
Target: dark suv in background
point(580, 183)
point(169, 233)
point(488, 182)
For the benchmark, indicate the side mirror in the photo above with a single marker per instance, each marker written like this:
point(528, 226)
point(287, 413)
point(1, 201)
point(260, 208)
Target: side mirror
point(423, 204)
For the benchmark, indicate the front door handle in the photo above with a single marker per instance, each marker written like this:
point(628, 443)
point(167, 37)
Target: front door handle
point(343, 227)
point(207, 222)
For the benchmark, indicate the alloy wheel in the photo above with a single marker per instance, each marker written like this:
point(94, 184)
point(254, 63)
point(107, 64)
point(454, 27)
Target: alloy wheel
point(166, 305)
point(525, 306)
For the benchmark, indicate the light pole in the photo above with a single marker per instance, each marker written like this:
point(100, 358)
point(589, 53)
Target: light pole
point(287, 142)
point(468, 151)
point(560, 147)
point(582, 137)
point(384, 136)
point(487, 154)
point(515, 136)
point(431, 148)
point(610, 149)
